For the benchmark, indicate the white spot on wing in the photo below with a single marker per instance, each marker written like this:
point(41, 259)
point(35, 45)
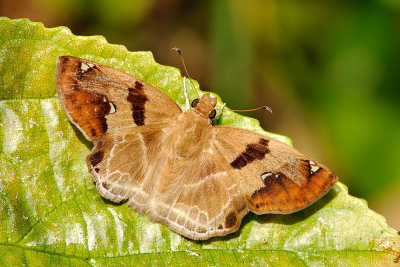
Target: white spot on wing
point(112, 107)
point(265, 175)
point(84, 67)
point(314, 166)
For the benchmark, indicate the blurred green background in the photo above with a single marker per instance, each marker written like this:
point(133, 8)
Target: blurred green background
point(328, 69)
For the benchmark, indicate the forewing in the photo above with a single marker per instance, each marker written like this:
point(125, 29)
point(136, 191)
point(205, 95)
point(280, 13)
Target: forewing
point(100, 99)
point(273, 177)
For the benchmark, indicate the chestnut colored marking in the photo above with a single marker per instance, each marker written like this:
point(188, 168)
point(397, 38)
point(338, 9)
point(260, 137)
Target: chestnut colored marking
point(137, 99)
point(279, 180)
point(96, 170)
point(80, 74)
point(105, 185)
point(220, 227)
point(138, 85)
point(253, 151)
point(308, 167)
point(75, 86)
point(89, 111)
point(81, 97)
point(230, 220)
point(65, 60)
point(317, 172)
point(263, 142)
point(103, 124)
point(63, 64)
point(96, 157)
point(94, 127)
point(270, 184)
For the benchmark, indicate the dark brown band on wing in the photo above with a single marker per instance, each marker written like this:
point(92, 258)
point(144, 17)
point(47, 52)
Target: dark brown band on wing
point(137, 98)
point(231, 220)
point(253, 151)
point(96, 157)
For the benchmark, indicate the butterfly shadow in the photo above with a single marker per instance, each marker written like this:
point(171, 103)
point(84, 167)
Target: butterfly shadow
point(285, 219)
point(296, 217)
point(81, 137)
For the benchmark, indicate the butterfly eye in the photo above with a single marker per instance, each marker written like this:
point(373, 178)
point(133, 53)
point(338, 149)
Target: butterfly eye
point(195, 103)
point(212, 114)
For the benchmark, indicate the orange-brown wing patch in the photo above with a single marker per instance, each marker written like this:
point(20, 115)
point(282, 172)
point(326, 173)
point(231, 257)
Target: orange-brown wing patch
point(99, 99)
point(85, 108)
point(281, 195)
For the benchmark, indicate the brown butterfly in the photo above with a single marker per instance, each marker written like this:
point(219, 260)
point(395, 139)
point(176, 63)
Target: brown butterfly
point(196, 178)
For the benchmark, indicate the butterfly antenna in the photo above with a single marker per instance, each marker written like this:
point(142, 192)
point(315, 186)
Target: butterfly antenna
point(253, 109)
point(179, 51)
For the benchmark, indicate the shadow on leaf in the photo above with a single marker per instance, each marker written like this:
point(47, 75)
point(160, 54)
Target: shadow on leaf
point(287, 219)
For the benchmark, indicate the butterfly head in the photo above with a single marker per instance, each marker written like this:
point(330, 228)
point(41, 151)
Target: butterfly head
point(205, 106)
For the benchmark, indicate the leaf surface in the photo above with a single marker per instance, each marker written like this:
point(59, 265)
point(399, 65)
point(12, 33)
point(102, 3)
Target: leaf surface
point(52, 214)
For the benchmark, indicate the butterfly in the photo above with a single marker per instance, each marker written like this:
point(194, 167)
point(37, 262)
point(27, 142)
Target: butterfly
point(197, 178)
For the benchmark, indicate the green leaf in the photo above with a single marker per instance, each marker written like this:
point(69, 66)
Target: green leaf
point(51, 213)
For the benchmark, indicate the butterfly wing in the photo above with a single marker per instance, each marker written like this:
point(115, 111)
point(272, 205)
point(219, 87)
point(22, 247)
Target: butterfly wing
point(274, 177)
point(100, 99)
point(124, 116)
point(235, 171)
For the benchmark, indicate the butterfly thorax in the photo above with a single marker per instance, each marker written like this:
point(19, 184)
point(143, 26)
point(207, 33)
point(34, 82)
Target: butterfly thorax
point(186, 140)
point(193, 130)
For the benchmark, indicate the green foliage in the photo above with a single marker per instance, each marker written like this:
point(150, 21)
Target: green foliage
point(51, 213)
